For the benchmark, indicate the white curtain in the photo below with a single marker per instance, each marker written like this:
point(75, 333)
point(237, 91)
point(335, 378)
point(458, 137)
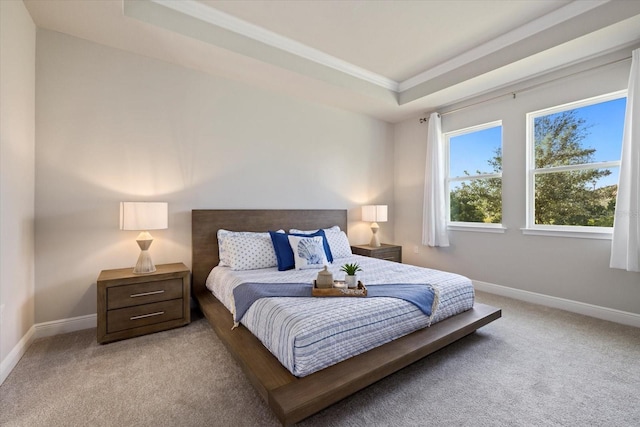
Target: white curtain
point(434, 221)
point(625, 246)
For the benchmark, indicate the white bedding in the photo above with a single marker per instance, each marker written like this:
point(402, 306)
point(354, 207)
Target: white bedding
point(309, 334)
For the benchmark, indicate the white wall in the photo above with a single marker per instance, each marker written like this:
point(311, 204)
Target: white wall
point(568, 268)
point(113, 126)
point(17, 111)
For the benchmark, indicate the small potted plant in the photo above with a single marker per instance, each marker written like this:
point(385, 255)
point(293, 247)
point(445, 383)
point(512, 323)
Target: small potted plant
point(351, 270)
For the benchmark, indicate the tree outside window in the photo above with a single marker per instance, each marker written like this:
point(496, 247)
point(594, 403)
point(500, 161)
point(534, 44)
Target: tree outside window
point(574, 157)
point(475, 174)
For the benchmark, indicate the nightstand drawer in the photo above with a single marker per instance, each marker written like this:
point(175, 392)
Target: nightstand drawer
point(384, 251)
point(389, 255)
point(142, 315)
point(143, 293)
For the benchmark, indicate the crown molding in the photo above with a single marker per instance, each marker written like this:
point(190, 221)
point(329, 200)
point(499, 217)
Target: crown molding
point(239, 26)
point(536, 26)
point(228, 22)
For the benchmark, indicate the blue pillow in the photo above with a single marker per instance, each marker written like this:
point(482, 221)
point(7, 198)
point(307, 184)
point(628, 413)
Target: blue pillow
point(284, 253)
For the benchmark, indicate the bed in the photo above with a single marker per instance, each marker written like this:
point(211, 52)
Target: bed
point(295, 397)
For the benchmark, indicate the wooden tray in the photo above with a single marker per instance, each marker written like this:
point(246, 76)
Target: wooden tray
point(360, 291)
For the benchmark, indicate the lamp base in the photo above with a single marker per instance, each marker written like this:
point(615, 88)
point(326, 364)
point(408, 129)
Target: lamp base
point(144, 264)
point(375, 241)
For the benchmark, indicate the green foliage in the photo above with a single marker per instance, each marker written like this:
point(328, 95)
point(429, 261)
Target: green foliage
point(351, 269)
point(479, 200)
point(561, 198)
point(569, 198)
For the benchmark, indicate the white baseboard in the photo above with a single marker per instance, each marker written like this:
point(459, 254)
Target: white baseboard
point(12, 359)
point(604, 313)
point(63, 326)
point(40, 330)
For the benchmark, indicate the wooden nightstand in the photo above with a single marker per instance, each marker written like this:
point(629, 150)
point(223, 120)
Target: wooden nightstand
point(130, 304)
point(388, 252)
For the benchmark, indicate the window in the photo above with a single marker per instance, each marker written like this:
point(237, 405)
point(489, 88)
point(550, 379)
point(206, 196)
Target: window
point(474, 180)
point(573, 157)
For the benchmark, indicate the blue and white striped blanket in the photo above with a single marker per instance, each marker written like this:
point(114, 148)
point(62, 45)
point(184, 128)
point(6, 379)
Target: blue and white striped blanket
point(309, 334)
point(244, 295)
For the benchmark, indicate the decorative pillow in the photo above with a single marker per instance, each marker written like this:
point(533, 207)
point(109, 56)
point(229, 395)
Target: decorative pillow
point(222, 247)
point(338, 241)
point(296, 231)
point(284, 253)
point(227, 239)
point(308, 252)
point(339, 244)
point(250, 252)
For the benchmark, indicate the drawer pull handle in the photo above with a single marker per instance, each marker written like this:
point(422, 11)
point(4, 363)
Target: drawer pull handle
point(144, 294)
point(142, 316)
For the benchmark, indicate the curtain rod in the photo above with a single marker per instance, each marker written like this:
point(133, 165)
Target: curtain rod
point(526, 89)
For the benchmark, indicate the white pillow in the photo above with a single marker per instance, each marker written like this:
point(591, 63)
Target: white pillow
point(338, 241)
point(308, 252)
point(296, 231)
point(339, 244)
point(222, 247)
point(230, 244)
point(250, 252)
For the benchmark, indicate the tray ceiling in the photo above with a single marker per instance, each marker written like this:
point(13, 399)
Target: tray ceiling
point(388, 59)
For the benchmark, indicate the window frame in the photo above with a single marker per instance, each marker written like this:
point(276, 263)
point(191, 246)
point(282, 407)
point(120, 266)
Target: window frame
point(461, 225)
point(580, 231)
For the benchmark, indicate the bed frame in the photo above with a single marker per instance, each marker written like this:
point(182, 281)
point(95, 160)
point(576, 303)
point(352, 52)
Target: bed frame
point(293, 399)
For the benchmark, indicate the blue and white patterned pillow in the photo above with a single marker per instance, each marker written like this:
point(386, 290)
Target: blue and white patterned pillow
point(339, 244)
point(233, 239)
point(338, 241)
point(284, 254)
point(335, 228)
point(250, 252)
point(308, 252)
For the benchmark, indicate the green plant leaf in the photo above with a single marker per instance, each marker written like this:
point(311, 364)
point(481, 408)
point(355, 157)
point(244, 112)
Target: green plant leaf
point(351, 268)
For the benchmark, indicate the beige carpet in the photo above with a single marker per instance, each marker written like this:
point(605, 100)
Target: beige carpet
point(535, 366)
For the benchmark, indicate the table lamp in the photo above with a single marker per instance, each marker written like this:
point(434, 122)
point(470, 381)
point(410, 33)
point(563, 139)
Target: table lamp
point(144, 216)
point(374, 214)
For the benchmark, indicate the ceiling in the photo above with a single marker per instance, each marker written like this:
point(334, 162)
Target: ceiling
point(388, 59)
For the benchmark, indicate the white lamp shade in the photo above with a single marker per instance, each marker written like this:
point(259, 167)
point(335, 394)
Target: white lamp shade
point(374, 213)
point(143, 216)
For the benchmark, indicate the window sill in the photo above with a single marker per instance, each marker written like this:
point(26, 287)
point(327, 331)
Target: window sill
point(479, 228)
point(601, 233)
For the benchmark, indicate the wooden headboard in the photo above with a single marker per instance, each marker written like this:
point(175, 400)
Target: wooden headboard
point(206, 222)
